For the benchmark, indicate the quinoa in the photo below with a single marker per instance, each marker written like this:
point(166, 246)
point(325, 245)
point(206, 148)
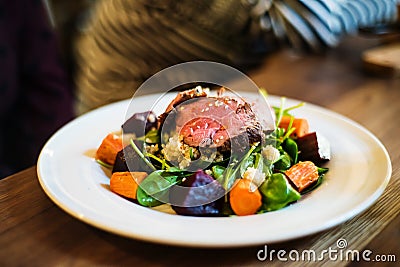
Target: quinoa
point(152, 149)
point(176, 151)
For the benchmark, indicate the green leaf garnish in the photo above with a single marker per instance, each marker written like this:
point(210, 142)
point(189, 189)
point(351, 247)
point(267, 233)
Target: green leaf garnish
point(137, 150)
point(102, 163)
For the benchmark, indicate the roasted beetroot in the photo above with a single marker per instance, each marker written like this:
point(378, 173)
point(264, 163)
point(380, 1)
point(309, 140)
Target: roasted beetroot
point(198, 195)
point(128, 160)
point(140, 123)
point(313, 147)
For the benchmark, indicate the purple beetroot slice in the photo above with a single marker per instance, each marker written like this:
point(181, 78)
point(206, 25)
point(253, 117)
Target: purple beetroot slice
point(140, 123)
point(128, 160)
point(198, 195)
point(313, 147)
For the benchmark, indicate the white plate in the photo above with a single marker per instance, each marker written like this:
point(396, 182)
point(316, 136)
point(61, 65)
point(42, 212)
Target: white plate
point(359, 172)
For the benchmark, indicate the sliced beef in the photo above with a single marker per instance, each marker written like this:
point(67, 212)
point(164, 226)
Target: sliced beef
point(181, 98)
point(186, 95)
point(221, 122)
point(204, 132)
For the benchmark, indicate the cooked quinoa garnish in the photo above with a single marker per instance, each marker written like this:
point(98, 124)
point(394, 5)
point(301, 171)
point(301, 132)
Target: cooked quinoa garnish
point(152, 149)
point(175, 151)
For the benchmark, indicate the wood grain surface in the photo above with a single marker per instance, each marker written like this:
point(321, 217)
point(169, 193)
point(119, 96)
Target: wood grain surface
point(35, 232)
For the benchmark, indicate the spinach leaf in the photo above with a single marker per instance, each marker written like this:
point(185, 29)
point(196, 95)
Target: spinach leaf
point(159, 181)
point(217, 171)
point(322, 170)
point(145, 200)
point(277, 192)
point(284, 162)
point(291, 148)
point(154, 189)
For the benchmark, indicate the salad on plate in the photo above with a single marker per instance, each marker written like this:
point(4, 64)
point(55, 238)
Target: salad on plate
point(212, 155)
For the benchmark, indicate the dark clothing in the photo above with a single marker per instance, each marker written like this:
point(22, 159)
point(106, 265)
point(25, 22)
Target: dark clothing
point(35, 92)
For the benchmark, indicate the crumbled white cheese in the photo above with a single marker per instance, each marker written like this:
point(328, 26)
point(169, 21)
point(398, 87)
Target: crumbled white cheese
point(270, 153)
point(256, 176)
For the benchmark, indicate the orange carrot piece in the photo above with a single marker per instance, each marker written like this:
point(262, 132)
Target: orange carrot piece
point(303, 174)
point(109, 148)
point(301, 125)
point(126, 183)
point(243, 201)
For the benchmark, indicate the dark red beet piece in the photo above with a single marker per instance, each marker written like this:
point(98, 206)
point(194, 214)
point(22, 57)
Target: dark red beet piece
point(140, 123)
point(313, 147)
point(128, 160)
point(198, 195)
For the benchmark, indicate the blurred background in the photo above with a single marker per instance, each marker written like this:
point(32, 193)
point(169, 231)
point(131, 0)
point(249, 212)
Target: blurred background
point(113, 46)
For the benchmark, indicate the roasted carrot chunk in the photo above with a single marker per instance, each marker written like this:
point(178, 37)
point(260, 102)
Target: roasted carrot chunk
point(303, 174)
point(126, 183)
point(110, 146)
point(243, 200)
point(301, 125)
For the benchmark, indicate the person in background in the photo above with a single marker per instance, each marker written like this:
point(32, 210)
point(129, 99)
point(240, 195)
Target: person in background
point(35, 90)
point(121, 43)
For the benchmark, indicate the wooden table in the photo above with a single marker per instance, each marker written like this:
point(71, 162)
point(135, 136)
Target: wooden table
point(35, 232)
